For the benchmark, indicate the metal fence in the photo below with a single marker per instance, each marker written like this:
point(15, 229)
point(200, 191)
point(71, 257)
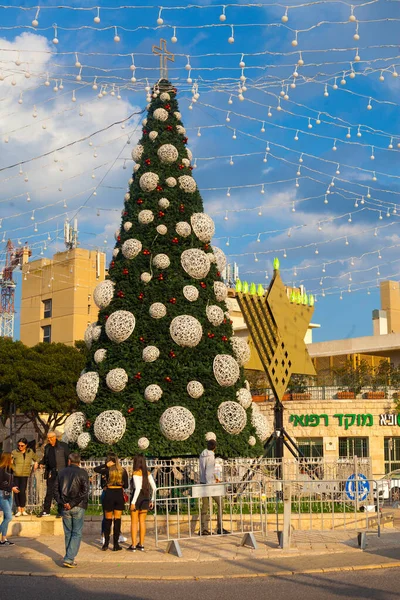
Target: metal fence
point(325, 392)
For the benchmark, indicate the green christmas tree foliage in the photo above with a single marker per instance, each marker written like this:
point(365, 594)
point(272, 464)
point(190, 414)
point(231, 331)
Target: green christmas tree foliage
point(164, 374)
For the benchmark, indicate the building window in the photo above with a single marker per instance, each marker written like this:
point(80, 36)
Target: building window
point(392, 453)
point(311, 447)
point(47, 333)
point(47, 308)
point(353, 446)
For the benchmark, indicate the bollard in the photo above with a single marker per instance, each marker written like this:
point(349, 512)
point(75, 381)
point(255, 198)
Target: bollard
point(284, 536)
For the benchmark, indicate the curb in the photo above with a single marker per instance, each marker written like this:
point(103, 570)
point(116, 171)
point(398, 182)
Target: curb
point(77, 575)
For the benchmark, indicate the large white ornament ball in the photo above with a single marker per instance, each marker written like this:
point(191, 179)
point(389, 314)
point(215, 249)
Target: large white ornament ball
point(160, 114)
point(244, 397)
point(177, 115)
point(87, 386)
point(177, 423)
point(143, 443)
point(145, 217)
point(136, 168)
point(88, 336)
point(215, 314)
point(168, 154)
point(232, 417)
point(73, 426)
point(157, 310)
point(109, 426)
point(164, 96)
point(195, 389)
point(163, 203)
point(161, 261)
point(220, 291)
point(153, 135)
point(189, 154)
point(150, 353)
point(127, 226)
point(83, 440)
point(203, 226)
point(186, 162)
point(127, 197)
point(137, 152)
point(153, 393)
point(210, 435)
point(191, 293)
point(100, 355)
point(211, 257)
point(171, 181)
point(96, 331)
point(117, 233)
point(195, 263)
point(116, 379)
point(148, 181)
point(186, 331)
point(162, 229)
point(144, 122)
point(261, 425)
point(220, 258)
point(131, 248)
point(180, 129)
point(241, 350)
point(252, 440)
point(115, 252)
point(120, 325)
point(183, 229)
point(103, 293)
point(226, 370)
point(187, 184)
point(146, 277)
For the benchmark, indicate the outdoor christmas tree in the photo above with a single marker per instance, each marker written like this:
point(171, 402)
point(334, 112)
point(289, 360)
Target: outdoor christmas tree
point(165, 373)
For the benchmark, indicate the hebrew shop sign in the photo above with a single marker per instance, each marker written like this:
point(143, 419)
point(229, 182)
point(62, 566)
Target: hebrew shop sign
point(345, 420)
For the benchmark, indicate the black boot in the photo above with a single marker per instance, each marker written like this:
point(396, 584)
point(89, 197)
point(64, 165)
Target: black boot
point(117, 531)
point(107, 532)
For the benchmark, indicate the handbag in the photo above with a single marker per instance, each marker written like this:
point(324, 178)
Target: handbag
point(126, 497)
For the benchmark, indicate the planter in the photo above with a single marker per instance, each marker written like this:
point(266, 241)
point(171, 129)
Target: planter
point(301, 396)
point(375, 395)
point(346, 395)
point(260, 398)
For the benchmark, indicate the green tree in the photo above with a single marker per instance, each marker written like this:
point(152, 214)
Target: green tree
point(354, 378)
point(163, 323)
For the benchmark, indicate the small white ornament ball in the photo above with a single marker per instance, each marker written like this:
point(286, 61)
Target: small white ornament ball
point(183, 229)
point(127, 226)
point(116, 379)
point(210, 435)
point(100, 355)
point(153, 393)
point(143, 443)
point(109, 426)
point(195, 389)
point(161, 229)
point(177, 423)
point(131, 248)
point(161, 261)
point(145, 217)
point(150, 353)
point(160, 114)
point(153, 135)
point(157, 310)
point(146, 277)
point(163, 203)
point(252, 440)
point(171, 181)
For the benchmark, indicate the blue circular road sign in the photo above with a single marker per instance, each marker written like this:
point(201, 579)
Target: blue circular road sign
point(357, 487)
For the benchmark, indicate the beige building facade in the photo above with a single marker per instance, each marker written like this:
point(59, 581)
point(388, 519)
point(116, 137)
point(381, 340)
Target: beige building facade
point(57, 296)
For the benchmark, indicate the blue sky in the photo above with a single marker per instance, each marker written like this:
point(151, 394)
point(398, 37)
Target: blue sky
point(270, 60)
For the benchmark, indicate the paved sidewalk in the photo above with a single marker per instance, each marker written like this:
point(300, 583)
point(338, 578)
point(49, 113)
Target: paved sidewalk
point(215, 557)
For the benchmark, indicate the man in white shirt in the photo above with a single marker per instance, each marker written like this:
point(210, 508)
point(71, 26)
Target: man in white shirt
point(207, 476)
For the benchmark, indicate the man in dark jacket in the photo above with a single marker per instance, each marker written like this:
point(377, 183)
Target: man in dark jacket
point(54, 460)
point(71, 491)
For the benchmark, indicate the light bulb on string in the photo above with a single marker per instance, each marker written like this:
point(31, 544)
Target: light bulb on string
point(356, 203)
point(97, 17)
point(350, 220)
point(356, 36)
point(394, 73)
point(309, 123)
point(326, 201)
point(284, 254)
point(55, 38)
point(26, 178)
point(368, 193)
point(297, 183)
point(293, 207)
point(319, 226)
point(335, 85)
point(285, 17)
point(231, 161)
point(258, 238)
point(234, 134)
point(374, 177)
point(388, 213)
point(160, 20)
point(228, 193)
point(381, 77)
point(348, 134)
point(301, 158)
point(352, 262)
point(262, 191)
point(352, 73)
point(295, 41)
point(230, 101)
point(35, 228)
point(380, 215)
point(242, 64)
point(47, 82)
point(334, 147)
point(362, 201)
point(298, 173)
point(321, 281)
point(343, 80)
point(255, 258)
point(369, 105)
point(61, 86)
point(269, 114)
point(318, 120)
point(265, 159)
point(260, 212)
point(337, 170)
point(372, 157)
point(33, 216)
point(55, 88)
point(227, 242)
point(346, 242)
point(279, 107)
point(231, 39)
point(296, 137)
point(390, 146)
point(266, 274)
point(358, 132)
point(263, 127)
point(375, 232)
point(316, 251)
point(394, 211)
point(357, 57)
point(79, 76)
point(73, 99)
point(35, 21)
point(116, 36)
point(267, 148)
point(326, 93)
point(300, 62)
point(222, 16)
point(293, 84)
point(28, 198)
point(378, 271)
point(294, 272)
point(20, 100)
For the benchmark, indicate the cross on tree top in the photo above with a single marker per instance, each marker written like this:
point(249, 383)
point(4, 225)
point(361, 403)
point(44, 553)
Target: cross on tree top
point(165, 56)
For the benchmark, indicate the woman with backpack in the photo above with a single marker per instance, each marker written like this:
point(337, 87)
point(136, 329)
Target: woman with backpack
point(142, 498)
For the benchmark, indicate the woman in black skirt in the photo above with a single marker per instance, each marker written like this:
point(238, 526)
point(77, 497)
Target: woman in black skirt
point(142, 498)
point(116, 480)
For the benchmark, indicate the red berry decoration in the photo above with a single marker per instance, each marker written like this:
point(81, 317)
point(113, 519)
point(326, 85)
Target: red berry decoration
point(169, 128)
point(159, 188)
point(168, 379)
point(167, 107)
point(119, 238)
point(172, 300)
point(185, 140)
point(120, 294)
point(160, 277)
point(130, 410)
point(172, 354)
point(203, 285)
point(206, 246)
point(106, 317)
point(161, 214)
point(190, 168)
point(175, 240)
point(224, 338)
point(138, 376)
point(125, 272)
point(125, 213)
point(112, 264)
point(144, 131)
point(139, 201)
point(180, 167)
point(224, 321)
point(141, 339)
point(146, 252)
point(181, 208)
point(147, 161)
point(141, 296)
point(88, 424)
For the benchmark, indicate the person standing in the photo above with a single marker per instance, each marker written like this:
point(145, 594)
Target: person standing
point(142, 481)
point(55, 459)
point(24, 459)
point(116, 480)
point(103, 484)
point(207, 476)
point(71, 490)
point(7, 488)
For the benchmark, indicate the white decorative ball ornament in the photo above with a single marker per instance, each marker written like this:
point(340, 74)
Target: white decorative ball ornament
point(115, 252)
point(161, 229)
point(187, 184)
point(144, 122)
point(183, 229)
point(73, 426)
point(161, 261)
point(232, 417)
point(171, 181)
point(241, 350)
point(87, 387)
point(191, 293)
point(165, 96)
point(146, 277)
point(117, 233)
point(153, 135)
point(100, 355)
point(136, 168)
point(150, 353)
point(109, 426)
point(211, 257)
point(96, 332)
point(83, 440)
point(177, 115)
point(186, 162)
point(145, 217)
point(120, 325)
point(148, 181)
point(180, 129)
point(143, 443)
point(157, 310)
point(137, 153)
point(244, 397)
point(189, 154)
point(220, 258)
point(220, 291)
point(160, 114)
point(177, 423)
point(153, 393)
point(131, 248)
point(252, 440)
point(203, 226)
point(226, 370)
point(195, 263)
point(88, 337)
point(195, 389)
point(127, 197)
point(186, 331)
point(247, 385)
point(168, 154)
point(163, 203)
point(116, 379)
point(260, 424)
point(210, 435)
point(103, 293)
point(127, 226)
point(215, 314)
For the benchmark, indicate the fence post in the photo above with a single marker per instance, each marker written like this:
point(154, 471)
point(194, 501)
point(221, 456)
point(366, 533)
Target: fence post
point(356, 482)
point(284, 540)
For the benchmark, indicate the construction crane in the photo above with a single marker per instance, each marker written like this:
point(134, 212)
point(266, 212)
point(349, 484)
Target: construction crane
point(15, 257)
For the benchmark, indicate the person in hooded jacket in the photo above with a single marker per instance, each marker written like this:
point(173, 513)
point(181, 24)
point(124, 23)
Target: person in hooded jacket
point(207, 476)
